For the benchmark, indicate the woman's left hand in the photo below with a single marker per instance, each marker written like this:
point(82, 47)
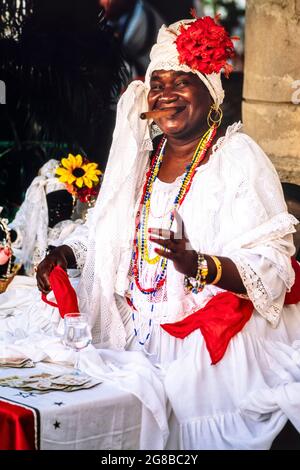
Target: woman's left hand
point(176, 247)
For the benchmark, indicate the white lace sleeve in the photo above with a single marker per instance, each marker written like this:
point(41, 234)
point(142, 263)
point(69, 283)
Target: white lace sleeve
point(79, 250)
point(19, 225)
point(266, 281)
point(264, 247)
point(78, 242)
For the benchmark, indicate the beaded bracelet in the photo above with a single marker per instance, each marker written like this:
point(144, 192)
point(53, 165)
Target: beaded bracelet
point(198, 283)
point(219, 270)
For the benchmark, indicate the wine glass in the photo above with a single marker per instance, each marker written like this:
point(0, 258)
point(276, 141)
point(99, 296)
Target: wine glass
point(77, 335)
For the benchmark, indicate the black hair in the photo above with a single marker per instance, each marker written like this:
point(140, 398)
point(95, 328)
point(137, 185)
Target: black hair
point(291, 191)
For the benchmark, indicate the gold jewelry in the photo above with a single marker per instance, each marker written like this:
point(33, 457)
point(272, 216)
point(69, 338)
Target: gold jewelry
point(219, 270)
point(217, 118)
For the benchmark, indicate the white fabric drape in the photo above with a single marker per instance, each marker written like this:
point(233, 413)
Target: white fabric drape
point(112, 233)
point(31, 221)
point(235, 208)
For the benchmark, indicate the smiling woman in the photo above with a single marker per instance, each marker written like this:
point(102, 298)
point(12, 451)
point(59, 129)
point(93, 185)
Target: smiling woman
point(187, 96)
point(188, 252)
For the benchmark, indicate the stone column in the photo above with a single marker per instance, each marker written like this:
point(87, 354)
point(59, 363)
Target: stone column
point(272, 82)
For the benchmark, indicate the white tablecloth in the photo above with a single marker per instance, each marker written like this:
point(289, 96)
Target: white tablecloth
point(103, 417)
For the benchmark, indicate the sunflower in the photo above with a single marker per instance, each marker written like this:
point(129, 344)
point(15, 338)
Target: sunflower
point(74, 170)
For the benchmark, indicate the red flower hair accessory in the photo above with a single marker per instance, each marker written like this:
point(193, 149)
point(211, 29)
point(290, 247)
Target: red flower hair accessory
point(205, 46)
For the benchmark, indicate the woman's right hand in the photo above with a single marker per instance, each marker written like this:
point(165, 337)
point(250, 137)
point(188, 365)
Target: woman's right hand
point(62, 256)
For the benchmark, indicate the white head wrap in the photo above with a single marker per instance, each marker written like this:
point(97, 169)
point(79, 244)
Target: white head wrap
point(112, 220)
point(51, 182)
point(164, 56)
point(31, 221)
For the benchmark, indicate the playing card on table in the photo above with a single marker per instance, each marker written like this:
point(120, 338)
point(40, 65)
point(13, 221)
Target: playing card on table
point(16, 362)
point(47, 382)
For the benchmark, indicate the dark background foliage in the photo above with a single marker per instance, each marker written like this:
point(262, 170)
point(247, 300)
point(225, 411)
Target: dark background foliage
point(63, 72)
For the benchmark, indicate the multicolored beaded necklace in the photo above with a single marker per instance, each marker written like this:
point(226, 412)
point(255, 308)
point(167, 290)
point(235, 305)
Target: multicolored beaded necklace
point(140, 253)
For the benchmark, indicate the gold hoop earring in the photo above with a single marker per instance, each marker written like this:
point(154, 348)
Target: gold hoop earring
point(217, 118)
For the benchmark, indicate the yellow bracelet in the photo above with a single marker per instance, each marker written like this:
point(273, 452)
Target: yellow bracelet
point(219, 270)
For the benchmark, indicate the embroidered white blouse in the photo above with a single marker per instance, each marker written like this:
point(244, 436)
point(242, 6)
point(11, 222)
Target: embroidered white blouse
point(235, 208)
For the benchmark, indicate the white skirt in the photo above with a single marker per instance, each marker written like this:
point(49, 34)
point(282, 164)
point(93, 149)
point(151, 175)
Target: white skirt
point(243, 401)
point(23, 312)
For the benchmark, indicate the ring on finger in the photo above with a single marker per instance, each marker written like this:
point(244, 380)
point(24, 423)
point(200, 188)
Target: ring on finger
point(169, 249)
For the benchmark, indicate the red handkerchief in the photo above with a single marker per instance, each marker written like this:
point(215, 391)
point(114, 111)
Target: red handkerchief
point(64, 293)
point(293, 297)
point(221, 318)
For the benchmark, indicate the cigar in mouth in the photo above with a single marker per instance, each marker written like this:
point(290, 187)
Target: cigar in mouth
point(156, 114)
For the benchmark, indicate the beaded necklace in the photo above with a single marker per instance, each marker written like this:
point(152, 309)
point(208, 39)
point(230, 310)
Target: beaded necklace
point(140, 254)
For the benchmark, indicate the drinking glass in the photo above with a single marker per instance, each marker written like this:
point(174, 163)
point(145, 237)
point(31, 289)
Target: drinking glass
point(77, 335)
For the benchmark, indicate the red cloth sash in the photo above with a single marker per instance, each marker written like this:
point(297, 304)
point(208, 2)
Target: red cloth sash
point(223, 317)
point(293, 297)
point(18, 426)
point(64, 293)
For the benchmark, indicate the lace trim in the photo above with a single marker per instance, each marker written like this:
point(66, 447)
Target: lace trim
point(147, 144)
point(80, 251)
point(231, 130)
point(278, 226)
point(258, 293)
point(54, 232)
point(281, 224)
point(288, 276)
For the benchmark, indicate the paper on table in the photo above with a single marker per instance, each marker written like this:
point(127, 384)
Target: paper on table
point(16, 362)
point(47, 382)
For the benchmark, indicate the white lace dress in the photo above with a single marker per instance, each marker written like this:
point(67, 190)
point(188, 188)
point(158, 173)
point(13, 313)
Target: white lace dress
point(21, 306)
point(235, 208)
point(55, 237)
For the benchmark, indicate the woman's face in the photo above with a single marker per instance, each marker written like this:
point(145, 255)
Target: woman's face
point(60, 206)
point(187, 95)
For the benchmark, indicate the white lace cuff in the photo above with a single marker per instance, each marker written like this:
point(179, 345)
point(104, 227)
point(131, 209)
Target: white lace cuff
point(258, 292)
point(79, 250)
